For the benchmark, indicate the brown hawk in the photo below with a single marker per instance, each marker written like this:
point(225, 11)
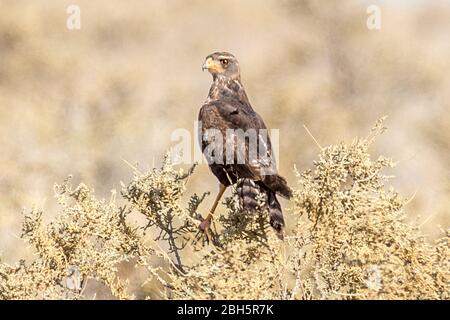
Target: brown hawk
point(233, 138)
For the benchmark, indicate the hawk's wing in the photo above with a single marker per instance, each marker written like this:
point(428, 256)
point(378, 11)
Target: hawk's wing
point(233, 114)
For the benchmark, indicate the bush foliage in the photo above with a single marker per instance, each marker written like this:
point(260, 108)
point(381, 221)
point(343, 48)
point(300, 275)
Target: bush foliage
point(348, 240)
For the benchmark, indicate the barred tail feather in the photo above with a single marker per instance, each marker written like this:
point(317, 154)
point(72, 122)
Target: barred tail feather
point(248, 192)
point(276, 215)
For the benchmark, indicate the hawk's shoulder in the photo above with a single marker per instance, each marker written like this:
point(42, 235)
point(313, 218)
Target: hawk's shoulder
point(230, 113)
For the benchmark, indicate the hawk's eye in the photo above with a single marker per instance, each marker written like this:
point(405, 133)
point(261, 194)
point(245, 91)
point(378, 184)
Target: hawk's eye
point(224, 62)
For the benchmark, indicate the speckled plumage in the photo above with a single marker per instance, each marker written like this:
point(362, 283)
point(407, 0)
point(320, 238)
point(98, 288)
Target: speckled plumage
point(227, 107)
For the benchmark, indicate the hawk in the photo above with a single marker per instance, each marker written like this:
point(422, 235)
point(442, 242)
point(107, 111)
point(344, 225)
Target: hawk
point(233, 138)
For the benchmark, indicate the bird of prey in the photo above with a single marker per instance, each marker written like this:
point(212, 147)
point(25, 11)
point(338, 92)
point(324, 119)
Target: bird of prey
point(223, 117)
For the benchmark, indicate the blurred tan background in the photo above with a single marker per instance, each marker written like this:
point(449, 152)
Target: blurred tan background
point(79, 101)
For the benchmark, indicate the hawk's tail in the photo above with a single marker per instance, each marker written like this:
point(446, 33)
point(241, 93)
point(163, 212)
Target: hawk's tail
point(248, 192)
point(278, 184)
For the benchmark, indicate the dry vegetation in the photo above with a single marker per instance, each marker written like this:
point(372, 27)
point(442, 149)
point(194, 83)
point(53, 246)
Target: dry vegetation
point(81, 101)
point(350, 240)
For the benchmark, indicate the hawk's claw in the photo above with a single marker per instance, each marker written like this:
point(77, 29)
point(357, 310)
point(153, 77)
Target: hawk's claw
point(204, 225)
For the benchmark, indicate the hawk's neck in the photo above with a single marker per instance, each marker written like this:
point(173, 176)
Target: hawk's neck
point(227, 89)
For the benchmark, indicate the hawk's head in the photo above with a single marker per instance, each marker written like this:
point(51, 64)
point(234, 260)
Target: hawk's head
point(222, 64)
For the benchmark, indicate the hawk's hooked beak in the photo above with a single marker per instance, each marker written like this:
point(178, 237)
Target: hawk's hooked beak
point(209, 63)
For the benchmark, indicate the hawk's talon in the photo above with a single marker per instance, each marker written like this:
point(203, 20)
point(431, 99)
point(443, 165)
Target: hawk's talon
point(204, 225)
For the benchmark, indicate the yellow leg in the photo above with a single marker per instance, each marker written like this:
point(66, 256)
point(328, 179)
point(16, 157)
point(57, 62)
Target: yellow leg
point(204, 225)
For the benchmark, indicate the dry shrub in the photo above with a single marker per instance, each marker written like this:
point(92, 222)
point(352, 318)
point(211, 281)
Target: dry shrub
point(157, 195)
point(350, 240)
point(360, 245)
point(89, 239)
point(241, 270)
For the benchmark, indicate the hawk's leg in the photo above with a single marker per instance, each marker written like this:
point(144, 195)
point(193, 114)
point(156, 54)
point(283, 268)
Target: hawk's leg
point(204, 225)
